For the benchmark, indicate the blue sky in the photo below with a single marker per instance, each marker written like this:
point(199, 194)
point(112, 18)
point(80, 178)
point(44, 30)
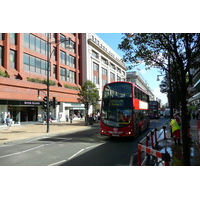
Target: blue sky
point(112, 40)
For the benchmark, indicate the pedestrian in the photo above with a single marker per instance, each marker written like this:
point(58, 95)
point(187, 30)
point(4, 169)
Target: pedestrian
point(175, 131)
point(194, 114)
point(59, 116)
point(67, 119)
point(71, 118)
point(178, 118)
point(44, 118)
point(198, 115)
point(8, 121)
point(81, 116)
point(50, 118)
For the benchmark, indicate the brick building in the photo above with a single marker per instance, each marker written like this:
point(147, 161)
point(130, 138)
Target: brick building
point(23, 70)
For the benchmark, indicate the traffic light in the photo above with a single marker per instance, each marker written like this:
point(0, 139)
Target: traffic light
point(86, 105)
point(54, 102)
point(45, 102)
point(50, 103)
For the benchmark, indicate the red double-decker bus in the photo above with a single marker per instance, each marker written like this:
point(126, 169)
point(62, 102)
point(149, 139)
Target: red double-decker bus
point(124, 110)
point(154, 109)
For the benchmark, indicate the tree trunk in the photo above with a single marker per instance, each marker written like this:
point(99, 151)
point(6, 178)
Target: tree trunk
point(185, 139)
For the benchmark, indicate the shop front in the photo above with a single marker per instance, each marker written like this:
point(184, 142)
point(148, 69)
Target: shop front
point(20, 111)
point(77, 110)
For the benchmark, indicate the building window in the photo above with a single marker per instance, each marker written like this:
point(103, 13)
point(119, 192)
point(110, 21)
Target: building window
point(118, 70)
point(1, 36)
point(63, 74)
point(104, 82)
point(95, 67)
point(104, 72)
point(95, 79)
point(67, 75)
point(112, 66)
point(72, 77)
point(34, 43)
point(13, 38)
point(67, 59)
point(118, 78)
point(112, 76)
point(12, 59)
point(1, 56)
point(103, 60)
point(95, 54)
point(36, 65)
point(63, 57)
point(71, 61)
point(67, 42)
point(54, 71)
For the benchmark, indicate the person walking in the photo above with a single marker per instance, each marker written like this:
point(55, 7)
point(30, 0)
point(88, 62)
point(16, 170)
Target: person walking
point(175, 131)
point(71, 118)
point(8, 121)
point(59, 116)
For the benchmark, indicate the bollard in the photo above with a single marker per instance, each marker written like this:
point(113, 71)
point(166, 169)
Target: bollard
point(147, 142)
point(139, 157)
point(164, 129)
point(152, 143)
point(155, 135)
point(147, 139)
point(166, 157)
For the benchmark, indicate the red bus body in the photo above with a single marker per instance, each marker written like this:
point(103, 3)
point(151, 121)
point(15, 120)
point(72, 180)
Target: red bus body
point(126, 114)
point(154, 109)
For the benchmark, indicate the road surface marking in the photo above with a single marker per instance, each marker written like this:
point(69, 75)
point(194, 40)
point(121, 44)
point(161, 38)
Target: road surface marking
point(33, 148)
point(13, 154)
point(58, 162)
point(75, 154)
point(10, 155)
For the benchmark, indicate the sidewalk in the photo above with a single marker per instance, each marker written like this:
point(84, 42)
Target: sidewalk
point(175, 151)
point(32, 130)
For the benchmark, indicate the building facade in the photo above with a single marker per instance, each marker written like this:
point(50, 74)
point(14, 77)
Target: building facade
point(23, 72)
point(100, 63)
point(194, 90)
point(136, 78)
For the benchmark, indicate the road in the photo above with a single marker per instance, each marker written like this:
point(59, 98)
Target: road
point(83, 148)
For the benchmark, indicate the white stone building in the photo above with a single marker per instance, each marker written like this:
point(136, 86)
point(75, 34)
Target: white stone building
point(101, 64)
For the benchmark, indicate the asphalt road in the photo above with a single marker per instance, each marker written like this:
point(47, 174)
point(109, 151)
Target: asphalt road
point(83, 148)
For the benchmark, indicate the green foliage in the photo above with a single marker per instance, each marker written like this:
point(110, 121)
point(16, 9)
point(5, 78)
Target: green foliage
point(88, 93)
point(4, 74)
point(42, 81)
point(71, 87)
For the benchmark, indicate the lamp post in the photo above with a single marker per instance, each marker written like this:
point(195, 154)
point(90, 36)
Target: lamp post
point(49, 54)
point(158, 77)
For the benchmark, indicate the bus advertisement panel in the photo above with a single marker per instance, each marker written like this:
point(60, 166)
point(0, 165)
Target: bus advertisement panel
point(124, 110)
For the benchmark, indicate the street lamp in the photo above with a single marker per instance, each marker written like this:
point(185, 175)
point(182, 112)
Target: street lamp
point(49, 54)
point(158, 77)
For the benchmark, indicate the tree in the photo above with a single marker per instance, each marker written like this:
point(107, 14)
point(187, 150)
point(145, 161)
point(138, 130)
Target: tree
point(88, 95)
point(173, 53)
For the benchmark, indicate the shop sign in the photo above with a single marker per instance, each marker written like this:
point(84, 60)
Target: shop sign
point(31, 102)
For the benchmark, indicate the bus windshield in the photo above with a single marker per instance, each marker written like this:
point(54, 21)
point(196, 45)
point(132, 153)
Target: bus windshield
point(117, 90)
point(117, 104)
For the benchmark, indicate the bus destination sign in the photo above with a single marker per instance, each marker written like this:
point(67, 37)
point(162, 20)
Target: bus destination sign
point(117, 102)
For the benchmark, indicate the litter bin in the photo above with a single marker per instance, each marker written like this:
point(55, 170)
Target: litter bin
point(91, 121)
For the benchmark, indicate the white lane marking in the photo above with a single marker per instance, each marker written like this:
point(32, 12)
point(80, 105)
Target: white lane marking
point(13, 154)
point(32, 148)
point(131, 159)
point(93, 146)
point(58, 162)
point(75, 154)
point(10, 155)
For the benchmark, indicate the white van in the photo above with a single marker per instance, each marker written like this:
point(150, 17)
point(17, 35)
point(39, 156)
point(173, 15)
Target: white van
point(167, 112)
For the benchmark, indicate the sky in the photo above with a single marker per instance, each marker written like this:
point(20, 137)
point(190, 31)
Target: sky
point(112, 40)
